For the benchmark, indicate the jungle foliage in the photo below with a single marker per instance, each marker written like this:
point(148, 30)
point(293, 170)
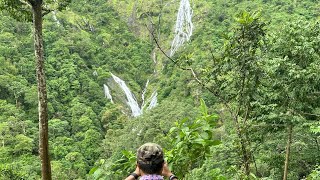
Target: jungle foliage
point(254, 94)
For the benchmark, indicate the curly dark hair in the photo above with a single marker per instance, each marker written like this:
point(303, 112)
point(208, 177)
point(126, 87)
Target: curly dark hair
point(150, 158)
point(151, 168)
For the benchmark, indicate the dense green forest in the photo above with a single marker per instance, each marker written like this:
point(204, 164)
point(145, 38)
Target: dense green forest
point(239, 100)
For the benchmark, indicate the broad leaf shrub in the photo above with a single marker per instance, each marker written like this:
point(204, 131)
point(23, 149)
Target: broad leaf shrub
point(191, 140)
point(116, 167)
point(315, 174)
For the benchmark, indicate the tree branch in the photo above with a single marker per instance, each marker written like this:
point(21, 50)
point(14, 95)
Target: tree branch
point(311, 114)
point(25, 2)
point(159, 47)
point(30, 2)
point(195, 76)
point(46, 11)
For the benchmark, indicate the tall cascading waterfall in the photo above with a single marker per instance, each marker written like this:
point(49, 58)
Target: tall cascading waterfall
point(131, 100)
point(184, 27)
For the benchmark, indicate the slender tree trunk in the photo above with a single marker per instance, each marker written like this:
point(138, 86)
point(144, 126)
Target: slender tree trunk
point(255, 165)
point(245, 155)
point(241, 130)
point(243, 146)
point(318, 148)
point(286, 163)
point(42, 92)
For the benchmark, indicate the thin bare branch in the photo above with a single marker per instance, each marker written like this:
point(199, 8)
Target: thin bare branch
point(46, 11)
point(269, 125)
point(158, 45)
point(311, 114)
point(28, 3)
point(195, 76)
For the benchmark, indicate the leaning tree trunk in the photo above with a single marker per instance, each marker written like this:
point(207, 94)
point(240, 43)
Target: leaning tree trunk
point(42, 92)
point(286, 163)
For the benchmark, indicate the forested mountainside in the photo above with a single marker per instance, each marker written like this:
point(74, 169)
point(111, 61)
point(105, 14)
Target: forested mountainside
point(239, 100)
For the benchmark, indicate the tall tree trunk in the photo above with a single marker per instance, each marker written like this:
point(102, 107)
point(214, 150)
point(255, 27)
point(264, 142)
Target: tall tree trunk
point(42, 92)
point(286, 163)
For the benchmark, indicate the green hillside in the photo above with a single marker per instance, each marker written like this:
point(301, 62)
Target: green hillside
point(229, 102)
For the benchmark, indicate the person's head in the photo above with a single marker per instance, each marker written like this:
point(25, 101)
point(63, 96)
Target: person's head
point(150, 158)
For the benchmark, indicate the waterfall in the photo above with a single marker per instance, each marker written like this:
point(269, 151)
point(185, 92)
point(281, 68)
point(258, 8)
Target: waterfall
point(144, 93)
point(154, 100)
point(95, 73)
point(107, 92)
point(131, 100)
point(54, 15)
point(184, 26)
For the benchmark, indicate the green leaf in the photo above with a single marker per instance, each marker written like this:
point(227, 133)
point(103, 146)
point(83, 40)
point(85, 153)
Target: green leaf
point(203, 108)
point(199, 141)
point(215, 142)
point(93, 170)
point(204, 135)
point(172, 129)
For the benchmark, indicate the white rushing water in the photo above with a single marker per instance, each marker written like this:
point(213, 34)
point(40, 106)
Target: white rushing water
point(184, 26)
point(153, 101)
point(95, 73)
point(54, 15)
point(131, 100)
point(107, 93)
point(144, 93)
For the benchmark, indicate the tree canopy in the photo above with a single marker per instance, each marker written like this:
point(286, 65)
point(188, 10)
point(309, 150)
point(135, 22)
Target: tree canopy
point(249, 109)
